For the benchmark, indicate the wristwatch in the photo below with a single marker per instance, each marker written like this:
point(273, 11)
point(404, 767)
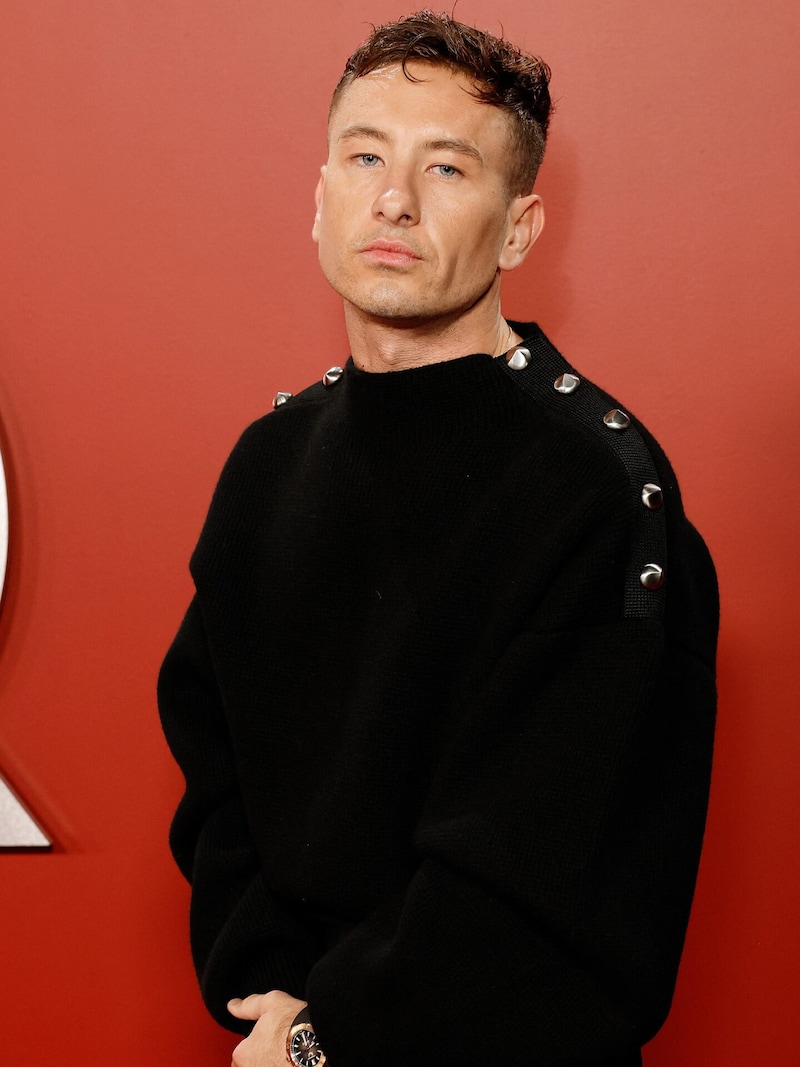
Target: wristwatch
point(302, 1047)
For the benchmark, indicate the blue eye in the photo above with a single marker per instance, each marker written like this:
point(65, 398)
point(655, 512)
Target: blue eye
point(446, 170)
point(369, 160)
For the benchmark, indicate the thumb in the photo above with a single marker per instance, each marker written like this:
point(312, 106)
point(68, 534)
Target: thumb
point(249, 1008)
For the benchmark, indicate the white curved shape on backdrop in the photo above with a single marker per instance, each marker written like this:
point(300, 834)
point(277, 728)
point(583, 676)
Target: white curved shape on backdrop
point(17, 828)
point(3, 526)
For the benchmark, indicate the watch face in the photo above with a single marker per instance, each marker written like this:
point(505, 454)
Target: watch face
point(304, 1048)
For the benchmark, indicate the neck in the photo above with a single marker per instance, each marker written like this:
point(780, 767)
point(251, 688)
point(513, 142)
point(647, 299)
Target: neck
point(395, 344)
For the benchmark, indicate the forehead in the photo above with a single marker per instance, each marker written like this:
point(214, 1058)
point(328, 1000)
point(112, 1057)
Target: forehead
point(435, 99)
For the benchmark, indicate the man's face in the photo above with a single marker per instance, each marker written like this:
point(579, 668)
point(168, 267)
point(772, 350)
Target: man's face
point(413, 211)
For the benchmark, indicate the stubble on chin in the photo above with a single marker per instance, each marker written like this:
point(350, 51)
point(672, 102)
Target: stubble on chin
point(383, 296)
point(392, 305)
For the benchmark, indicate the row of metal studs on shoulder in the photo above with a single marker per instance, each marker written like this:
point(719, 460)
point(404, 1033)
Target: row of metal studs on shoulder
point(518, 358)
point(330, 377)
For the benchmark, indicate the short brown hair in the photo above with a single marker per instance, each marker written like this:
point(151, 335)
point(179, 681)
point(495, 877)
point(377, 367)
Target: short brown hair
point(503, 76)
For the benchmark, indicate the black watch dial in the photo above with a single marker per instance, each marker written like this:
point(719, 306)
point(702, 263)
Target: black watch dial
point(304, 1048)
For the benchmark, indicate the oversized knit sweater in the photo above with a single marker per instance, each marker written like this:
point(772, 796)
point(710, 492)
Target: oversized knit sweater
point(446, 756)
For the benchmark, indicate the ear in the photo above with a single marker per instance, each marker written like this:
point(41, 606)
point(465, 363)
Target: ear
point(318, 201)
point(526, 222)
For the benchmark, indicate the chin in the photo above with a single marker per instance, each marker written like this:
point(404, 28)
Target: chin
point(397, 310)
point(389, 302)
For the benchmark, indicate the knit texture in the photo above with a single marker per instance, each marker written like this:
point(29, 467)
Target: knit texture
point(438, 782)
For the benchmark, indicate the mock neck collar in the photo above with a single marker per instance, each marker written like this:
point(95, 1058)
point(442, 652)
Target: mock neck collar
point(472, 387)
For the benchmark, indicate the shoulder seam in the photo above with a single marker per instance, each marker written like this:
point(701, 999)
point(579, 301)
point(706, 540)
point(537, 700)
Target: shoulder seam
point(540, 370)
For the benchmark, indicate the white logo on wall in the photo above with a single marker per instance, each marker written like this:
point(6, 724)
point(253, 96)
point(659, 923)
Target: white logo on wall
point(17, 827)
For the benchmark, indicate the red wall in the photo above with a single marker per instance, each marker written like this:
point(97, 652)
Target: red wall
point(158, 285)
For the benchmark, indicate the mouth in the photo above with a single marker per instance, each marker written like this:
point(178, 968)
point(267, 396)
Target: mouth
point(390, 253)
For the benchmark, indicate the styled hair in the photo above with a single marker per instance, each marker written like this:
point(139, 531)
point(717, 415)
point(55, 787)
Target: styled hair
point(502, 76)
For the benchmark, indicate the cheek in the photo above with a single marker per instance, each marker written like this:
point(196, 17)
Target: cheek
point(477, 245)
point(329, 238)
point(338, 219)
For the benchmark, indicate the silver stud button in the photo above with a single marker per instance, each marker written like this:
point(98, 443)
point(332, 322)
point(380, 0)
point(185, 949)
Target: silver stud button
point(566, 383)
point(280, 398)
point(652, 577)
point(332, 376)
point(652, 497)
point(519, 358)
point(617, 420)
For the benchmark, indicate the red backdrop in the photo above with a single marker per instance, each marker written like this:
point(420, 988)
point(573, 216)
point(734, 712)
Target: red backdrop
point(158, 285)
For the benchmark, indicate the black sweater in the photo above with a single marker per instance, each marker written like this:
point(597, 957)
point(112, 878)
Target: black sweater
point(446, 758)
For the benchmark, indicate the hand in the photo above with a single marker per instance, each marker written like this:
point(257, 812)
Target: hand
point(274, 1014)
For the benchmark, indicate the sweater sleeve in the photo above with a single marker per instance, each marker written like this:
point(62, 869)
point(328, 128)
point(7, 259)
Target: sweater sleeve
point(243, 938)
point(557, 855)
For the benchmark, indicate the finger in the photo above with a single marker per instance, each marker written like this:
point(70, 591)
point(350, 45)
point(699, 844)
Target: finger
point(249, 1008)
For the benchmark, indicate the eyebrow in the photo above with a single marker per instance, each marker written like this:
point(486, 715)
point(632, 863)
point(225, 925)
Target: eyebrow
point(439, 144)
point(351, 132)
point(454, 144)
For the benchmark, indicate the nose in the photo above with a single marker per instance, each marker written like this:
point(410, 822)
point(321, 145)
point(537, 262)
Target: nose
point(397, 201)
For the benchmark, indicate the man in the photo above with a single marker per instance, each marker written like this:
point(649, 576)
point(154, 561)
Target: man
point(444, 697)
